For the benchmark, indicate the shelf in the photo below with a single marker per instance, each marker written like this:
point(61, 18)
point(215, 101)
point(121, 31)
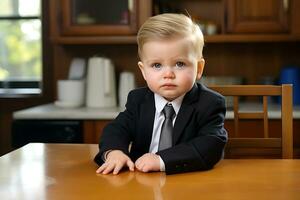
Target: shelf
point(243, 38)
point(94, 40)
point(223, 38)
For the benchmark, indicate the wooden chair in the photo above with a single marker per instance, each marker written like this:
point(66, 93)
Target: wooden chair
point(239, 146)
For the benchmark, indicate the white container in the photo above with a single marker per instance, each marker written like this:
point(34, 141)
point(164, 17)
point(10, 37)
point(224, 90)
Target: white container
point(126, 84)
point(70, 93)
point(77, 69)
point(211, 29)
point(101, 89)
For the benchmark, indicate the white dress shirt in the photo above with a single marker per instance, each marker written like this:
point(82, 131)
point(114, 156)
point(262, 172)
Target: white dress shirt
point(159, 118)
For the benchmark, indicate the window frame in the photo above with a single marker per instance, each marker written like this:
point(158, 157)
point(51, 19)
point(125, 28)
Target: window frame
point(22, 88)
point(14, 101)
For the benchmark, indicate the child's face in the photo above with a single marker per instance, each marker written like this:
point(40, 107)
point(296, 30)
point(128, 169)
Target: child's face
point(170, 67)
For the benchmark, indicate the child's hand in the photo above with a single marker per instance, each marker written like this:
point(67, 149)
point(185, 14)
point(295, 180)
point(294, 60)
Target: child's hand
point(148, 162)
point(115, 161)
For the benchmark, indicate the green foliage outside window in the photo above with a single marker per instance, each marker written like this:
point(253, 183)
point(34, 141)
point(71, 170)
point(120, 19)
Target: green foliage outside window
point(20, 56)
point(20, 42)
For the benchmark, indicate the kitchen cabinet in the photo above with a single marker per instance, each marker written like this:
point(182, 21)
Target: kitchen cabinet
point(92, 130)
point(57, 131)
point(93, 17)
point(93, 21)
point(222, 21)
point(228, 53)
point(46, 131)
point(239, 20)
point(255, 16)
point(206, 13)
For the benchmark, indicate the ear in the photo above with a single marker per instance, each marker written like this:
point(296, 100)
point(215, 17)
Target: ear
point(200, 67)
point(141, 66)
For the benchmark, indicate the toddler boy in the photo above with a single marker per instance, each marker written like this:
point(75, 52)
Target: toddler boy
point(174, 124)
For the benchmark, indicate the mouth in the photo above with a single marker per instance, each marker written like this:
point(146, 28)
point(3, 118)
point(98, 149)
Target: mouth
point(168, 85)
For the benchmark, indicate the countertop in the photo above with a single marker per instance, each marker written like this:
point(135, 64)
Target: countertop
point(50, 111)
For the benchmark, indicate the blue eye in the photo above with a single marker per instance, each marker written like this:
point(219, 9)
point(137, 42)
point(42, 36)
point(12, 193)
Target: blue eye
point(157, 65)
point(180, 64)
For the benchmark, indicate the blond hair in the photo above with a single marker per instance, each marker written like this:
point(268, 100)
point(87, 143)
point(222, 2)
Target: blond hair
point(166, 26)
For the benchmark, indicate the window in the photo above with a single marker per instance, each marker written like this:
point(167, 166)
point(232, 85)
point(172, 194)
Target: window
point(20, 47)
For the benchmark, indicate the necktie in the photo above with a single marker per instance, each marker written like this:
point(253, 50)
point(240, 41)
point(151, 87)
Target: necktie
point(165, 140)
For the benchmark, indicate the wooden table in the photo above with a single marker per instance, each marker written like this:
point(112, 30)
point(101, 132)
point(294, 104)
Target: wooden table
point(66, 171)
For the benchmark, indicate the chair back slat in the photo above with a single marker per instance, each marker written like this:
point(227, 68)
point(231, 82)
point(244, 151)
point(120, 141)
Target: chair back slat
point(248, 90)
point(285, 142)
point(265, 113)
point(235, 114)
point(287, 120)
point(252, 115)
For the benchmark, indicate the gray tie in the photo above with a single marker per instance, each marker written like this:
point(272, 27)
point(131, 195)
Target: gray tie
point(165, 140)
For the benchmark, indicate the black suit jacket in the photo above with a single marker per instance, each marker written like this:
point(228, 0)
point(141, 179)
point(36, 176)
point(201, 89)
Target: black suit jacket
point(199, 136)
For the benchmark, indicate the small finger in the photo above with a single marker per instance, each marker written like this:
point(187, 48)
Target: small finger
point(108, 169)
point(130, 165)
point(101, 168)
point(138, 163)
point(140, 166)
point(117, 168)
point(145, 168)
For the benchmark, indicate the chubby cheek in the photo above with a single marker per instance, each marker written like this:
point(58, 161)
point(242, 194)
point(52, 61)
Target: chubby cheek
point(152, 80)
point(187, 79)
point(188, 84)
point(153, 83)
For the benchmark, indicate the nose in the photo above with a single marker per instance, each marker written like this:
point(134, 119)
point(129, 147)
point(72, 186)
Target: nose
point(169, 73)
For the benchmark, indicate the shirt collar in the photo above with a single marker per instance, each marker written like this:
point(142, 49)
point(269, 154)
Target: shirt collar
point(160, 103)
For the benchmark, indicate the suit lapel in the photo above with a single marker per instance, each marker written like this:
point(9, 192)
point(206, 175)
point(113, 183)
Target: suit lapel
point(186, 110)
point(147, 113)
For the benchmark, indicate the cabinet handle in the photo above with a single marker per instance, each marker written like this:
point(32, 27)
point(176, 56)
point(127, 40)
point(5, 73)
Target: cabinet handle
point(285, 5)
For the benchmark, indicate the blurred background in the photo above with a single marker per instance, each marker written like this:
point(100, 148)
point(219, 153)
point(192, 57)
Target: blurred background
point(66, 66)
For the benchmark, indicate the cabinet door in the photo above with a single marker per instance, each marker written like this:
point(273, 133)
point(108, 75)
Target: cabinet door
point(257, 16)
point(92, 130)
point(94, 17)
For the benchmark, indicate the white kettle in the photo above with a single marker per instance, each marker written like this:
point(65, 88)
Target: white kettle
point(101, 83)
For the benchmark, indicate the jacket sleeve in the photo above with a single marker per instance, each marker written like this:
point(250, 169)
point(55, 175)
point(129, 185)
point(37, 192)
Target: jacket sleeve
point(203, 150)
point(118, 134)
